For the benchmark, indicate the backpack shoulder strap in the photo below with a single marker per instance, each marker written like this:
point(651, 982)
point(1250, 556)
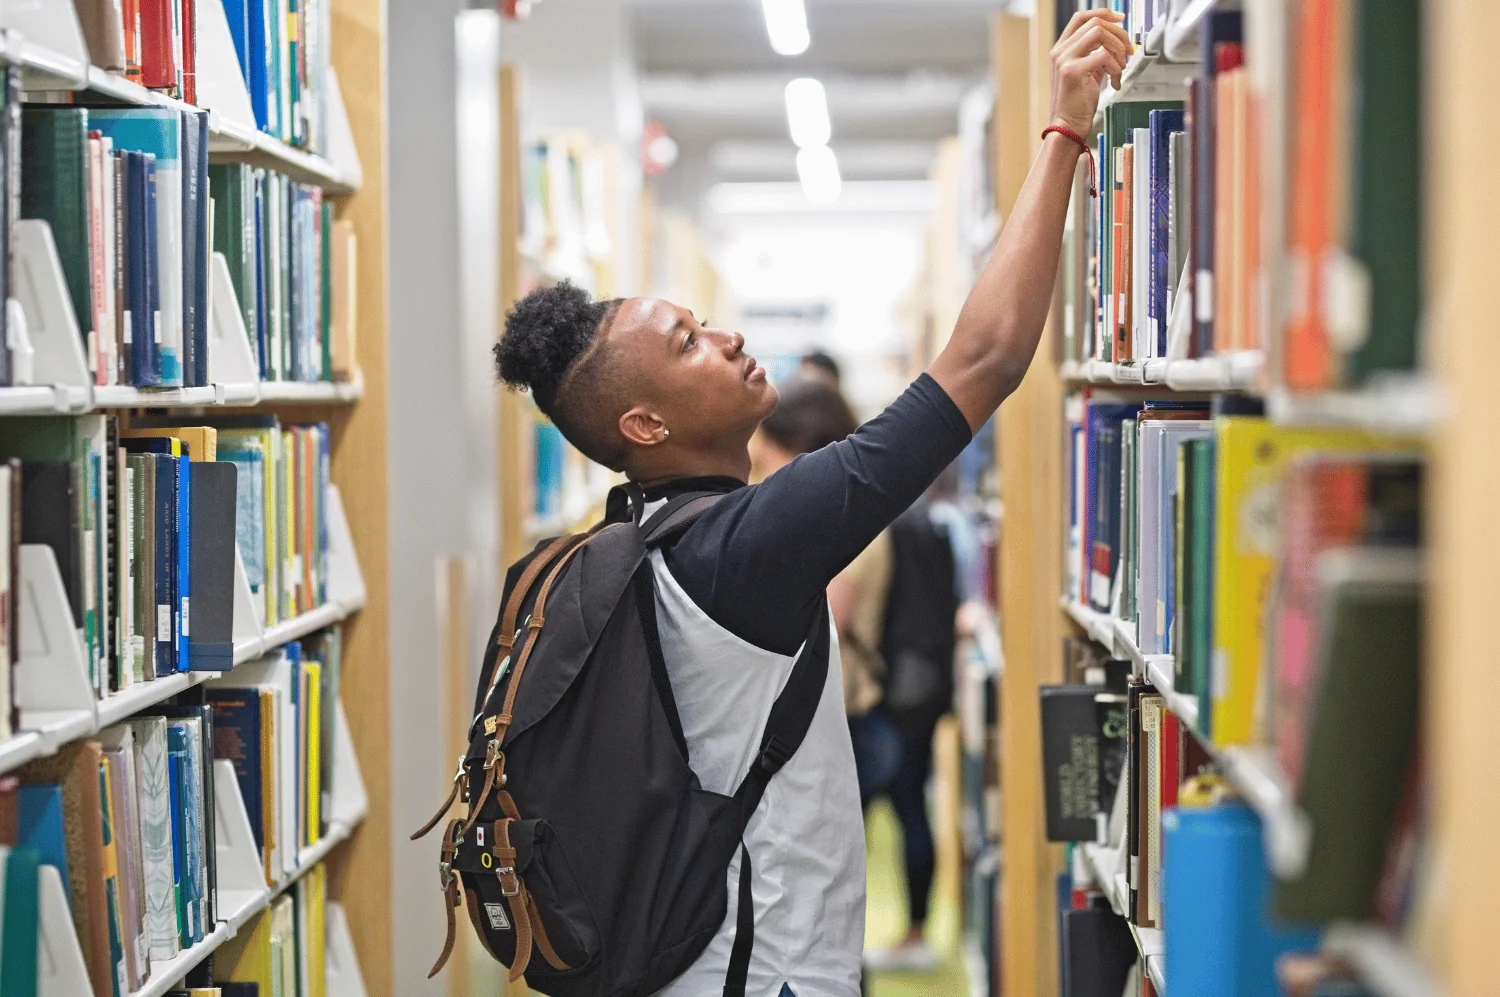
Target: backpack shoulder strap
point(672, 520)
point(787, 725)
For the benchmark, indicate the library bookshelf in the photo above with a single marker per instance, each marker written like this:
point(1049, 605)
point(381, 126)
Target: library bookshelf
point(58, 703)
point(1440, 408)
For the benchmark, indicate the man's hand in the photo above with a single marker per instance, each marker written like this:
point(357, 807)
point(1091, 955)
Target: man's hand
point(1092, 47)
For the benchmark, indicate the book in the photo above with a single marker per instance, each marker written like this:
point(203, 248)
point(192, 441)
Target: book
point(198, 720)
point(184, 898)
point(121, 751)
point(1164, 128)
point(1362, 732)
point(1097, 951)
point(1072, 759)
point(1218, 28)
point(157, 845)
point(76, 769)
point(119, 974)
point(55, 189)
point(1156, 483)
point(1251, 457)
point(213, 543)
point(10, 588)
point(1215, 893)
point(245, 734)
point(20, 900)
point(39, 825)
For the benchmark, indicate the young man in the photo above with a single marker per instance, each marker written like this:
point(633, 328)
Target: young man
point(641, 386)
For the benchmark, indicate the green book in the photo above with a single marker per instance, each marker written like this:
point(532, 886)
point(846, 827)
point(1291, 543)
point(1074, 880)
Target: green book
point(20, 901)
point(1385, 178)
point(55, 189)
point(1362, 730)
point(1195, 647)
point(232, 186)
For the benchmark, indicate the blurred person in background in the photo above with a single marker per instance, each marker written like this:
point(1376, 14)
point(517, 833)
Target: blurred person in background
point(819, 366)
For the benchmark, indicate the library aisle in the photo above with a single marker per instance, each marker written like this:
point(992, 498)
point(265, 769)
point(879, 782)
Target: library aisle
point(1176, 677)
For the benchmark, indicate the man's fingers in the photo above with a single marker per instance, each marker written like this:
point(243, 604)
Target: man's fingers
point(1108, 36)
point(1099, 63)
point(1084, 17)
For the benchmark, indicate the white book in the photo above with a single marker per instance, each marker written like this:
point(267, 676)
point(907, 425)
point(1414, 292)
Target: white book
point(132, 875)
point(155, 786)
point(1142, 335)
point(1156, 481)
point(158, 131)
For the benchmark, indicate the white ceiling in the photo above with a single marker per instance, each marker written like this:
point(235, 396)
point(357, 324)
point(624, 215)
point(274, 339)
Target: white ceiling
point(895, 73)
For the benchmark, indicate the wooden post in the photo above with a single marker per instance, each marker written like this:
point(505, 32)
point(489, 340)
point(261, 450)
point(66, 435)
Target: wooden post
point(1463, 217)
point(510, 410)
point(361, 870)
point(1030, 560)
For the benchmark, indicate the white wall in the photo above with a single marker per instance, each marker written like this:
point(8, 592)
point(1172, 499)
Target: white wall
point(441, 411)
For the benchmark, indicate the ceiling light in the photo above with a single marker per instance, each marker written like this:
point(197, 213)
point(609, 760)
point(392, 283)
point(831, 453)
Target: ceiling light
point(818, 170)
point(807, 113)
point(786, 23)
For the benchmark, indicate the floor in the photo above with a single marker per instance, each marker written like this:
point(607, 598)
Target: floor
point(885, 916)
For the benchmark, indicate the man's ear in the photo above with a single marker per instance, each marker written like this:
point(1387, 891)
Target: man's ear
point(642, 427)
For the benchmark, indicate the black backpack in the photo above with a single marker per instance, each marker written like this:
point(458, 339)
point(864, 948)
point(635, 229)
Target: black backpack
point(918, 640)
point(591, 861)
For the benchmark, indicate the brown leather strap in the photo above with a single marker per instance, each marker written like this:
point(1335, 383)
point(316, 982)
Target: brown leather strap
point(452, 896)
point(523, 585)
point(490, 778)
point(538, 619)
point(543, 943)
point(513, 891)
point(459, 781)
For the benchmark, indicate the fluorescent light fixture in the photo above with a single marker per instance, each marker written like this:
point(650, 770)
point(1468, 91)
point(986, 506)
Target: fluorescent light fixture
point(786, 23)
point(819, 172)
point(807, 113)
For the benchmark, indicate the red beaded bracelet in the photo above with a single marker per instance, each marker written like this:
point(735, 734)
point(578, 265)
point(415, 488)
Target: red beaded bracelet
point(1088, 150)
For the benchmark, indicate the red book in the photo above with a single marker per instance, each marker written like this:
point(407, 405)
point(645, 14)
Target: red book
point(1125, 338)
point(190, 51)
point(158, 54)
point(1171, 776)
point(130, 13)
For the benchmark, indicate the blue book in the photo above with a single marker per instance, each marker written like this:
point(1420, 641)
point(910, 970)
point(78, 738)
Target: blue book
point(1220, 936)
point(39, 825)
point(140, 322)
point(237, 738)
point(159, 131)
point(169, 479)
point(1163, 124)
point(184, 556)
point(176, 769)
point(237, 13)
point(1102, 494)
point(258, 51)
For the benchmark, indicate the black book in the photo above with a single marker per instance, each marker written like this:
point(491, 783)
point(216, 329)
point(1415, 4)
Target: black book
point(1071, 756)
point(1098, 952)
point(49, 515)
point(1133, 796)
point(212, 545)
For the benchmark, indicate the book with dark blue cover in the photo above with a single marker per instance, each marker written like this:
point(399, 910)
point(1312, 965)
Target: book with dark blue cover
point(1164, 124)
point(191, 271)
point(39, 825)
point(167, 619)
point(176, 770)
point(140, 321)
point(1219, 26)
point(237, 738)
point(153, 264)
point(1221, 938)
point(1102, 492)
point(184, 556)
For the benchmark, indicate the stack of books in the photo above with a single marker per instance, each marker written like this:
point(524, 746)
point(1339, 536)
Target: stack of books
point(285, 949)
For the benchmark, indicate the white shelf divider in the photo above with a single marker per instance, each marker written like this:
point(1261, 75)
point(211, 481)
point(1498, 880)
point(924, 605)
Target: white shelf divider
point(249, 609)
point(220, 86)
point(346, 583)
point(52, 688)
point(51, 326)
point(231, 364)
point(242, 875)
point(342, 152)
point(348, 801)
point(49, 43)
point(1382, 961)
point(343, 977)
point(61, 971)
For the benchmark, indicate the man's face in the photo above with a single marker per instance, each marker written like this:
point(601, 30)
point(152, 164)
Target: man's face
point(698, 382)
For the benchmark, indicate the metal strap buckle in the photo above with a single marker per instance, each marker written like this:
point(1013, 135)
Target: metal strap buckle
point(492, 754)
point(510, 871)
point(445, 875)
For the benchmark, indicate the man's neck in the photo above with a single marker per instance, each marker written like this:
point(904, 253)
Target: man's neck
point(694, 464)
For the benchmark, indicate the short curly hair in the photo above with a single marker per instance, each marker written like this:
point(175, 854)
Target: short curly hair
point(809, 416)
point(552, 346)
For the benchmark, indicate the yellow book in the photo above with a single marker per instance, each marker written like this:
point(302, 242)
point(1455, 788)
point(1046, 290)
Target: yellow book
point(268, 770)
point(202, 441)
point(312, 673)
point(1252, 455)
point(246, 958)
point(312, 899)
